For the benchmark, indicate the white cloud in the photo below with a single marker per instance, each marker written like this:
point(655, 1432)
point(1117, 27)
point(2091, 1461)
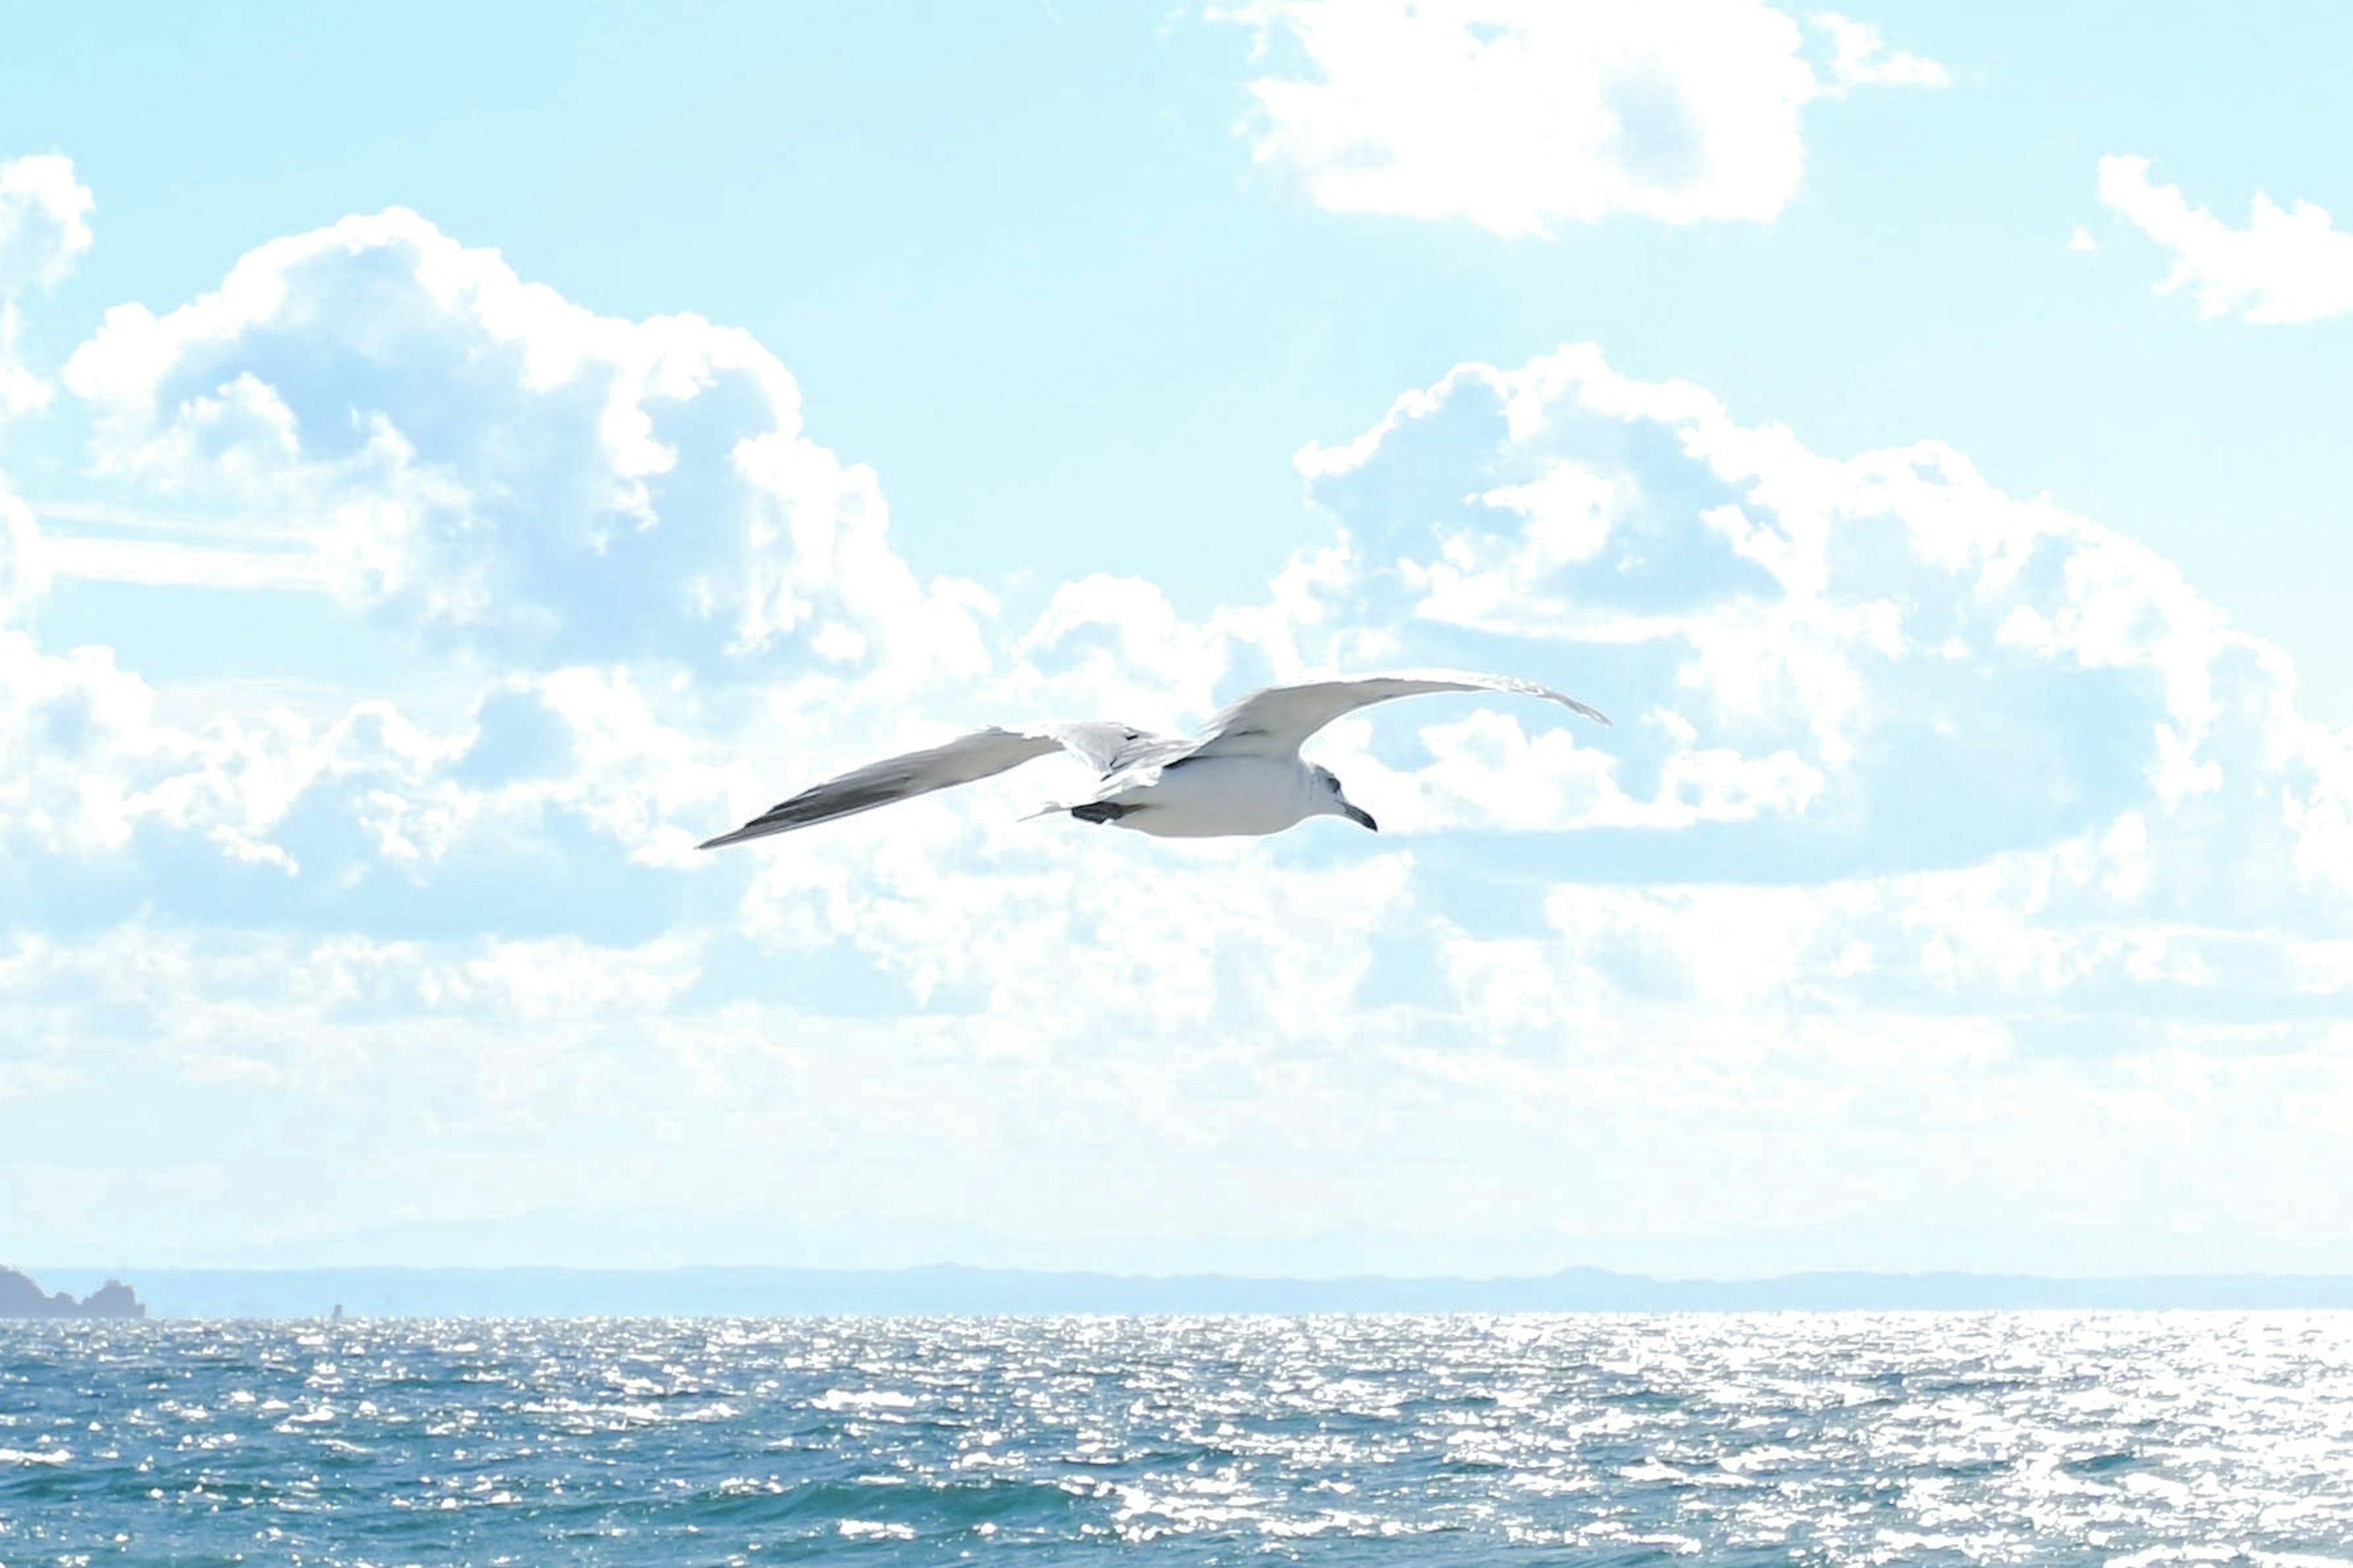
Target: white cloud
point(1883, 664)
point(174, 545)
point(1521, 115)
point(163, 562)
point(1936, 820)
point(24, 565)
point(44, 222)
point(1860, 58)
point(476, 459)
point(44, 228)
point(2288, 265)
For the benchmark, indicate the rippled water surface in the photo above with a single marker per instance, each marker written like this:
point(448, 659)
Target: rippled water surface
point(2030, 1438)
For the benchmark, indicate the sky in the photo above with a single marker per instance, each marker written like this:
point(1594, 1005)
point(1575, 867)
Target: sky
point(452, 460)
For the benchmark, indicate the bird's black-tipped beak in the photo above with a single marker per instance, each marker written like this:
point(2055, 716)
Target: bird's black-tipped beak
point(1360, 817)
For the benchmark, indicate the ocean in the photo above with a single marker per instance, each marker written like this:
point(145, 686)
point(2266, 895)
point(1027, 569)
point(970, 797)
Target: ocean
point(2124, 1439)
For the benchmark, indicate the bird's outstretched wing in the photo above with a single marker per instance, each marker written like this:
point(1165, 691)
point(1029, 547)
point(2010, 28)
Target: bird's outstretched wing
point(978, 755)
point(1274, 722)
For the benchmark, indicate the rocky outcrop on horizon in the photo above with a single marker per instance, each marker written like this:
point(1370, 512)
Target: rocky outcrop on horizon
point(20, 1298)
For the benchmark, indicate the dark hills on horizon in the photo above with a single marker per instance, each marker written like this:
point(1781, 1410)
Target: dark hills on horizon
point(751, 1291)
point(21, 1297)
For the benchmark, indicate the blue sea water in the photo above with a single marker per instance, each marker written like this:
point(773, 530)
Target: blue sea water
point(2121, 1438)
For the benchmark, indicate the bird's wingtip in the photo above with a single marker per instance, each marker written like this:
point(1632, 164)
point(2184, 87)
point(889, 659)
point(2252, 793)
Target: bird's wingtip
point(1587, 709)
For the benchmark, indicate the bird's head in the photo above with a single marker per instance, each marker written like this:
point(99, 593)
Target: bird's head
point(1331, 802)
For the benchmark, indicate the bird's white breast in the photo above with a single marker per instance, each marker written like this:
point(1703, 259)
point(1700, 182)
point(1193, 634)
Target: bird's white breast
point(1214, 797)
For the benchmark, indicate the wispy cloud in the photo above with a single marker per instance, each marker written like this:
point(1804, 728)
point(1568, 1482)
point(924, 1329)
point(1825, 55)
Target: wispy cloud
point(160, 562)
point(2288, 265)
point(1860, 58)
point(102, 543)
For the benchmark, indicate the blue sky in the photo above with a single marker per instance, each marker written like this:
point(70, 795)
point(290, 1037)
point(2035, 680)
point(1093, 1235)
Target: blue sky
point(457, 460)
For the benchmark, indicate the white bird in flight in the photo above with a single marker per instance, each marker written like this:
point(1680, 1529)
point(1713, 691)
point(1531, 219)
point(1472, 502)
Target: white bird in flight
point(1243, 778)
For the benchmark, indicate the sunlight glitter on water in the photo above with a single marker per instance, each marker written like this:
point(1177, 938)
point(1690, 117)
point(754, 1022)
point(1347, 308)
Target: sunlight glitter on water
point(2024, 1437)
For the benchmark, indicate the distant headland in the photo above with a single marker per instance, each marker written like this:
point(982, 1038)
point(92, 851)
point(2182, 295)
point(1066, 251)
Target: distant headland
point(20, 1298)
point(763, 1292)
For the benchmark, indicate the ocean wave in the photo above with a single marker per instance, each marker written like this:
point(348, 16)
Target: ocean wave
point(2130, 1440)
point(36, 1456)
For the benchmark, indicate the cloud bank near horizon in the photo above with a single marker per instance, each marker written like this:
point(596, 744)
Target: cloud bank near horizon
point(1952, 862)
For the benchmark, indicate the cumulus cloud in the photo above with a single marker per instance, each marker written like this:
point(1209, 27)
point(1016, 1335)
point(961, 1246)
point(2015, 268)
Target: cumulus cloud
point(1519, 116)
point(44, 228)
point(44, 221)
point(2288, 265)
point(479, 460)
point(1878, 665)
point(1935, 821)
point(614, 530)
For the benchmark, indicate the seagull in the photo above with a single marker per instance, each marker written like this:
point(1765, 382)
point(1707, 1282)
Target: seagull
point(1243, 778)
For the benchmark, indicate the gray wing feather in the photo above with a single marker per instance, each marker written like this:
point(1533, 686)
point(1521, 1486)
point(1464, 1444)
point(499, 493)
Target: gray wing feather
point(1276, 721)
point(1107, 748)
point(979, 755)
point(1123, 757)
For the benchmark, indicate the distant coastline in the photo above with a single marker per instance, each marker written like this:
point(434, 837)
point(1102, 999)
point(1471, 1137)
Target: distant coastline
point(21, 1297)
point(953, 1291)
